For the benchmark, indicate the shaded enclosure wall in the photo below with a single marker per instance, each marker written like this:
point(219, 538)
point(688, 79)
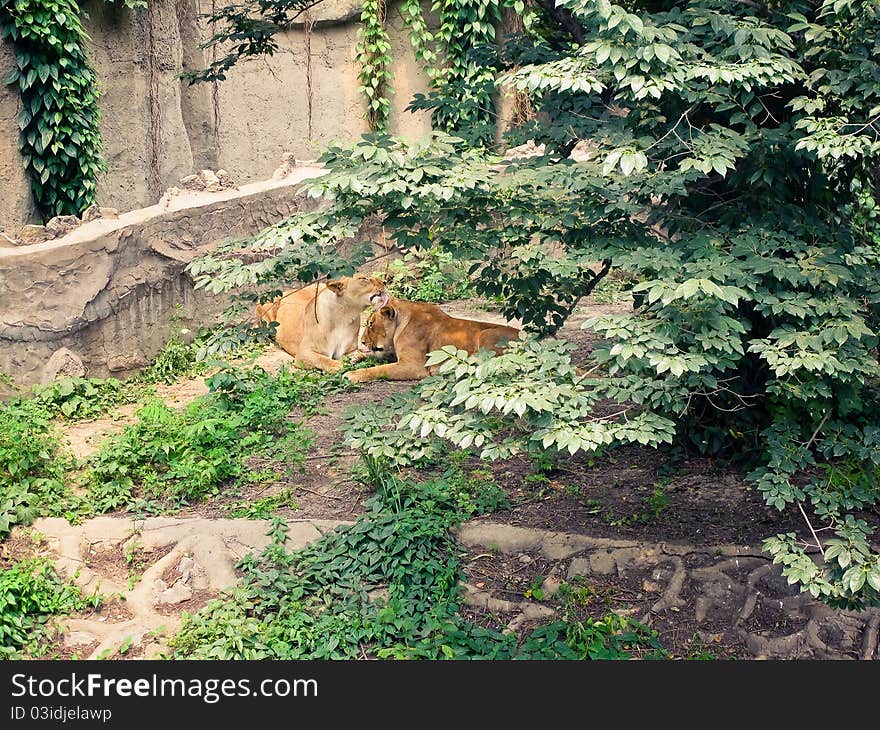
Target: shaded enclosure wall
point(156, 128)
point(108, 290)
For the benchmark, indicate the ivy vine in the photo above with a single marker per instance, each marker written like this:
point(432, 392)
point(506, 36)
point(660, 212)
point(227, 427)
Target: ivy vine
point(458, 58)
point(374, 57)
point(60, 140)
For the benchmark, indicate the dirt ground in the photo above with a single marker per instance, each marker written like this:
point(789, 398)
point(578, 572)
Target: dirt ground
point(671, 542)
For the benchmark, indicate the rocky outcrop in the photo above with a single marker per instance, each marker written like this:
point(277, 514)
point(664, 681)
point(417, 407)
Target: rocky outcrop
point(109, 287)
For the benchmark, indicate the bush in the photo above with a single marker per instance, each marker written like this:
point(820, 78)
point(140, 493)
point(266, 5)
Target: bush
point(430, 276)
point(321, 602)
point(32, 466)
point(31, 592)
point(732, 172)
point(82, 398)
point(177, 456)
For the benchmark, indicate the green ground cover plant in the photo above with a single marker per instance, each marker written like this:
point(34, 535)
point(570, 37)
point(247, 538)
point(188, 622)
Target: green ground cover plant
point(31, 593)
point(387, 586)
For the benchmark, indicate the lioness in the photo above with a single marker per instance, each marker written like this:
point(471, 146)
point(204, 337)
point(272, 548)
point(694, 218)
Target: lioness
point(319, 333)
point(410, 330)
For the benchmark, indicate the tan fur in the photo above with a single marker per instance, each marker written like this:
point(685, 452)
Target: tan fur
point(410, 330)
point(319, 333)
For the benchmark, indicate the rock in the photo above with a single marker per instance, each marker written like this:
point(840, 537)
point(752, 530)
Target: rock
point(525, 559)
point(92, 213)
point(484, 599)
point(551, 585)
point(330, 12)
point(96, 213)
point(172, 192)
point(536, 610)
point(529, 149)
point(579, 566)
point(33, 234)
point(287, 166)
point(126, 361)
point(63, 224)
point(583, 151)
point(79, 638)
point(225, 180)
point(186, 566)
point(207, 181)
point(212, 182)
point(63, 363)
point(378, 594)
point(602, 563)
point(192, 182)
point(178, 593)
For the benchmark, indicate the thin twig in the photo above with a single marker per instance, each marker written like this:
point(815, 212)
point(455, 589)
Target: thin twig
point(810, 525)
point(800, 506)
point(481, 555)
point(818, 428)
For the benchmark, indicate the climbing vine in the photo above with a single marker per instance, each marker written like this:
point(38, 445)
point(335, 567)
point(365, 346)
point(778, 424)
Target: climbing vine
point(374, 58)
point(465, 83)
point(459, 59)
point(59, 139)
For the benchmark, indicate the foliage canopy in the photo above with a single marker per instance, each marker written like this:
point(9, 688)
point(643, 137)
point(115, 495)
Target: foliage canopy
point(730, 166)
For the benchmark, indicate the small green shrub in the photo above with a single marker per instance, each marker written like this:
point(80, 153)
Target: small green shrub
point(32, 466)
point(81, 398)
point(31, 592)
point(431, 276)
point(263, 508)
point(176, 360)
point(608, 637)
point(388, 585)
point(177, 456)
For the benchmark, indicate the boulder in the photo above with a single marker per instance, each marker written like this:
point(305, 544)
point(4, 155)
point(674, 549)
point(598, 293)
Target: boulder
point(62, 224)
point(33, 234)
point(212, 182)
point(287, 166)
point(225, 180)
point(64, 363)
point(192, 182)
point(92, 213)
point(127, 361)
point(583, 151)
point(95, 213)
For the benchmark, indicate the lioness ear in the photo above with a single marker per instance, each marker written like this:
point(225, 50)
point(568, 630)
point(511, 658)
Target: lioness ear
point(388, 312)
point(336, 287)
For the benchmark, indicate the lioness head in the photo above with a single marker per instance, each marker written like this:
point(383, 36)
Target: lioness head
point(379, 331)
point(361, 289)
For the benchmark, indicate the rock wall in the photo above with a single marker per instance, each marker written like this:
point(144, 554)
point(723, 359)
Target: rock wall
point(107, 290)
point(156, 128)
point(15, 197)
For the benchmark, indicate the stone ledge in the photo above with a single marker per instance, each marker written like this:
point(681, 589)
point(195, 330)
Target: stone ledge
point(109, 286)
